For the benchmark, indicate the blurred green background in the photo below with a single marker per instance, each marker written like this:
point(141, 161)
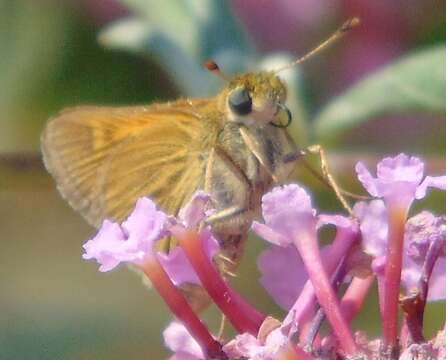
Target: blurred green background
point(56, 306)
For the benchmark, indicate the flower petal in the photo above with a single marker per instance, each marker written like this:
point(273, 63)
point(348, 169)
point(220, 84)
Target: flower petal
point(286, 211)
point(420, 351)
point(178, 267)
point(196, 210)
point(247, 346)
point(283, 274)
point(437, 290)
point(400, 168)
point(268, 234)
point(211, 246)
point(243, 346)
point(276, 341)
point(410, 275)
point(339, 221)
point(366, 178)
point(145, 225)
point(397, 179)
point(372, 217)
point(132, 242)
point(107, 247)
point(285, 199)
point(178, 339)
point(438, 182)
point(423, 231)
point(420, 231)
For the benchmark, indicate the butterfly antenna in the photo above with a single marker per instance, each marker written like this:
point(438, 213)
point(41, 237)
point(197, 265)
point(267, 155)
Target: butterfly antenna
point(212, 66)
point(346, 27)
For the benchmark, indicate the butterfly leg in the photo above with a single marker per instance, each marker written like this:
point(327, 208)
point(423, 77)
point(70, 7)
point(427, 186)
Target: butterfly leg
point(318, 150)
point(230, 191)
point(221, 329)
point(324, 181)
point(225, 214)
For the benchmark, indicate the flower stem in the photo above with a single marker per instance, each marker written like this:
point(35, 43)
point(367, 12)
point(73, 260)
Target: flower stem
point(181, 309)
point(308, 248)
point(355, 296)
point(352, 301)
point(392, 275)
point(239, 312)
point(331, 258)
point(309, 336)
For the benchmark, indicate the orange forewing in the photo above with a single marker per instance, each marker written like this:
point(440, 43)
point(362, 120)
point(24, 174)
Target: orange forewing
point(105, 158)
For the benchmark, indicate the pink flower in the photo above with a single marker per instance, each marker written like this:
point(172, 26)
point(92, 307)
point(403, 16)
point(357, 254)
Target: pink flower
point(196, 210)
point(420, 231)
point(248, 346)
point(373, 220)
point(399, 182)
point(424, 351)
point(399, 179)
point(296, 273)
point(425, 239)
point(272, 342)
point(412, 273)
point(131, 242)
point(290, 219)
point(179, 340)
point(178, 267)
point(176, 263)
point(283, 274)
point(264, 347)
point(285, 209)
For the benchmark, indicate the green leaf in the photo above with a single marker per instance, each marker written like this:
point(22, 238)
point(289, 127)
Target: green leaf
point(182, 35)
point(136, 35)
point(199, 26)
point(416, 83)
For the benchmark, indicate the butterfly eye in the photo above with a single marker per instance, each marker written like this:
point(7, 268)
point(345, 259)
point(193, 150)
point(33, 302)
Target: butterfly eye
point(240, 101)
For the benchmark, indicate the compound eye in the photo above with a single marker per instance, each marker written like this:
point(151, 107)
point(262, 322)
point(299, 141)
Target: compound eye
point(240, 101)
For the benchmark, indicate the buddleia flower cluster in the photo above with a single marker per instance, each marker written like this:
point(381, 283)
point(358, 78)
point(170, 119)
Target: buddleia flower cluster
point(383, 243)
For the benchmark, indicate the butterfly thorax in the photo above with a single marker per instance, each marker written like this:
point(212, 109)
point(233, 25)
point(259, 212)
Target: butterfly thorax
point(248, 157)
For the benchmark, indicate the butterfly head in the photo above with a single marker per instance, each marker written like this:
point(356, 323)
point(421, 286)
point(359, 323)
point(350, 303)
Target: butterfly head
point(255, 99)
point(258, 98)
